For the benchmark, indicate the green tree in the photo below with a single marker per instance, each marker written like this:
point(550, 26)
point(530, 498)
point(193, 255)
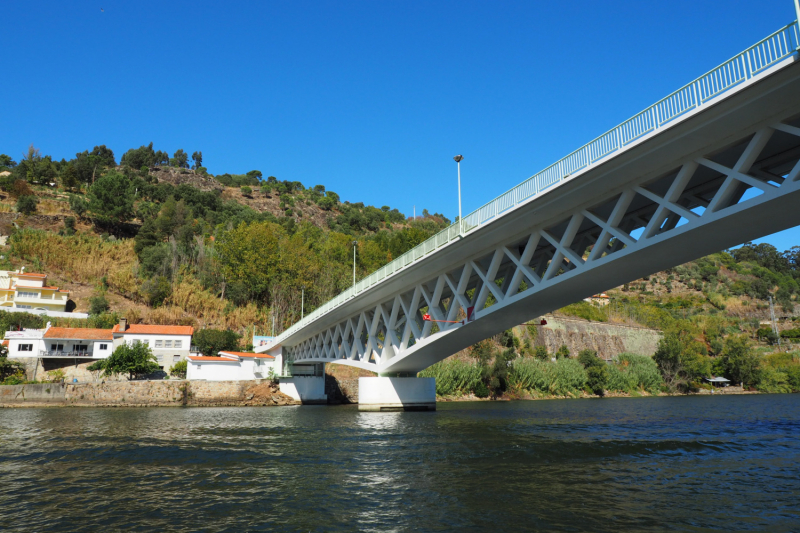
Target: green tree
point(111, 199)
point(740, 363)
point(69, 177)
point(6, 161)
point(197, 157)
point(596, 371)
point(211, 341)
point(134, 360)
point(246, 191)
point(180, 159)
point(26, 205)
point(78, 204)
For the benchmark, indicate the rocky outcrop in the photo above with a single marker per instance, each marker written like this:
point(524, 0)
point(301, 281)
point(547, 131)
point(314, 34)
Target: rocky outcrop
point(606, 339)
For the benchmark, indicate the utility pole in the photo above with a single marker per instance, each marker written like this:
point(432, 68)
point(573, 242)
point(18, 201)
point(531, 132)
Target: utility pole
point(354, 264)
point(772, 316)
point(797, 13)
point(273, 325)
point(302, 302)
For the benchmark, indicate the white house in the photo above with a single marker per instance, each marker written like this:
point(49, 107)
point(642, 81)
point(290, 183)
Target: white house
point(232, 366)
point(74, 343)
point(170, 344)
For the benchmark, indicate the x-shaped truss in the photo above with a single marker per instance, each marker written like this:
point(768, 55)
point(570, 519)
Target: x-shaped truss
point(646, 211)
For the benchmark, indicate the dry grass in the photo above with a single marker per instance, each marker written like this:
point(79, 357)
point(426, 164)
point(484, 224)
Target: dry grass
point(79, 258)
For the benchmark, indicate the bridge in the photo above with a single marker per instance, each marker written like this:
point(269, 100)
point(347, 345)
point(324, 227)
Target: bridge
point(714, 164)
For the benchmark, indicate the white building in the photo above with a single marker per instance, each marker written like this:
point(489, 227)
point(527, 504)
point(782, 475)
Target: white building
point(170, 344)
point(72, 343)
point(232, 366)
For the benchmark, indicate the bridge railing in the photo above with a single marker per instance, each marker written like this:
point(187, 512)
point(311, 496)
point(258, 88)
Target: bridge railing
point(736, 70)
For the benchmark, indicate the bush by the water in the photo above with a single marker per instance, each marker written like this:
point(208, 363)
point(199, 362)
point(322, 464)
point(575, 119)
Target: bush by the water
point(454, 376)
point(563, 377)
point(634, 372)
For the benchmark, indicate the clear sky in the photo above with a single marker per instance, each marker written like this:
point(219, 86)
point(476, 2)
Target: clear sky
point(370, 98)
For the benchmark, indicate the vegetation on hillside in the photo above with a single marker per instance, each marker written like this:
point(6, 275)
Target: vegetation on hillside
point(242, 250)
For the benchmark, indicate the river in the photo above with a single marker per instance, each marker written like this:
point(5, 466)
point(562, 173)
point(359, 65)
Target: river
point(627, 464)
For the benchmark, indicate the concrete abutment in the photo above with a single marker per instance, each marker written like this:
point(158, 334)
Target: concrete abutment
point(396, 394)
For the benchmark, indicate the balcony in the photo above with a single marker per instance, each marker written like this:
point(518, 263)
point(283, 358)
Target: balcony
point(88, 354)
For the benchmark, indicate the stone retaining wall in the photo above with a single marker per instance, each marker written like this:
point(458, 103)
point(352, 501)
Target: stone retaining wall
point(341, 390)
point(145, 394)
point(606, 339)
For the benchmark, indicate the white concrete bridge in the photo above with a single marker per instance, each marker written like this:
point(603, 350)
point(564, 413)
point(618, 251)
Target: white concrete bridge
point(712, 165)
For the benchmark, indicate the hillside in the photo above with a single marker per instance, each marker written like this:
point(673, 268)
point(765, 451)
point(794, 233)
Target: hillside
point(162, 243)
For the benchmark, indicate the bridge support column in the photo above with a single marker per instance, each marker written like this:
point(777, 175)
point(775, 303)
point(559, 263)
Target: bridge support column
point(396, 394)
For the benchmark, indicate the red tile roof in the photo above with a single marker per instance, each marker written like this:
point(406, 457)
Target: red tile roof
point(248, 354)
point(204, 358)
point(79, 333)
point(146, 329)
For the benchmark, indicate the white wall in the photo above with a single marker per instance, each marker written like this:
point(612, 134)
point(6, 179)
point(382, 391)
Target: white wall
point(214, 370)
point(13, 347)
point(305, 389)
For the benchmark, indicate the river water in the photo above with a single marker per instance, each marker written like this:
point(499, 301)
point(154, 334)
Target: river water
point(630, 464)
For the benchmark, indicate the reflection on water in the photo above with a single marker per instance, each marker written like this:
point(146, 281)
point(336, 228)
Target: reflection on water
point(649, 464)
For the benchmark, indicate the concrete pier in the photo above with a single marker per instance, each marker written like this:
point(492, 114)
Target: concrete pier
point(396, 394)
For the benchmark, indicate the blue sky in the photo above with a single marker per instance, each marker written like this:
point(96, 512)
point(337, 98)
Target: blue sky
point(371, 99)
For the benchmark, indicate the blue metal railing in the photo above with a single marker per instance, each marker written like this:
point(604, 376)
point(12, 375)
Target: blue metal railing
point(736, 70)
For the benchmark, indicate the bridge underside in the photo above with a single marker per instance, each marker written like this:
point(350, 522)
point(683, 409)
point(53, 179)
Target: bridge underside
point(732, 176)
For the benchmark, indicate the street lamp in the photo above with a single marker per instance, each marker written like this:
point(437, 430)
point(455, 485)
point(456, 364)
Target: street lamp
point(354, 264)
point(458, 159)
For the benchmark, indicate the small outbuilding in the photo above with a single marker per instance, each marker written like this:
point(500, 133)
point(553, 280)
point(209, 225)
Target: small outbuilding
point(718, 381)
point(232, 366)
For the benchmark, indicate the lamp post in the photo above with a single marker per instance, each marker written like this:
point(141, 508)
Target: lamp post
point(354, 264)
point(458, 159)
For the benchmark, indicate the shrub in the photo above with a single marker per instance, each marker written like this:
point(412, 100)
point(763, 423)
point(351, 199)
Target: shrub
point(454, 376)
point(78, 204)
point(564, 377)
point(634, 372)
point(98, 304)
point(179, 369)
point(26, 205)
point(69, 225)
point(246, 191)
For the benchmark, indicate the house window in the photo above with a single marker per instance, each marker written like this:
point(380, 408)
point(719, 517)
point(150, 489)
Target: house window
point(26, 347)
point(57, 347)
point(178, 344)
point(146, 342)
point(176, 358)
point(81, 348)
point(167, 344)
point(24, 306)
point(159, 344)
point(160, 358)
point(104, 346)
point(26, 294)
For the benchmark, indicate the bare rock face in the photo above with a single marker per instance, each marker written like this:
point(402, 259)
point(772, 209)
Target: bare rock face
point(181, 176)
point(608, 340)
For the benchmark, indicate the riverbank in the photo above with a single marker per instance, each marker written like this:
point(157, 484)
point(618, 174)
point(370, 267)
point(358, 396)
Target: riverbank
point(157, 393)
point(525, 395)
